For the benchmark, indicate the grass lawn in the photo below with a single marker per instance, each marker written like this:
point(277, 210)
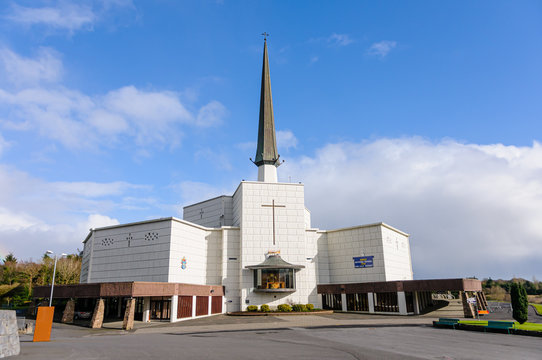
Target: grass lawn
point(538, 308)
point(524, 326)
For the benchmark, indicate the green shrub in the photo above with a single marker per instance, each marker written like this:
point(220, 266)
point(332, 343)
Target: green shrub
point(310, 307)
point(299, 308)
point(252, 308)
point(284, 308)
point(265, 308)
point(520, 303)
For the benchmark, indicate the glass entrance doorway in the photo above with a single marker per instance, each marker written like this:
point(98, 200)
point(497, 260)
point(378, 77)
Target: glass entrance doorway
point(160, 309)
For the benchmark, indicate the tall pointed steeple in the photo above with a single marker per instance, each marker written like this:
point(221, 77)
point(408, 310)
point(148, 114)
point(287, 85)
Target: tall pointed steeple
point(267, 158)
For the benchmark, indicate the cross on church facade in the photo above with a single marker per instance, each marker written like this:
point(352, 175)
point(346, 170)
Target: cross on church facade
point(201, 214)
point(273, 206)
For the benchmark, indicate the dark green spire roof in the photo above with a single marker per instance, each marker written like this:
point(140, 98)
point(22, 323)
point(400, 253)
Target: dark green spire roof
point(266, 152)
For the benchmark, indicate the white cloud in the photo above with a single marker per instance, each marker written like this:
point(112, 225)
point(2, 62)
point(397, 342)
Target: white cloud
point(36, 214)
point(382, 48)
point(65, 15)
point(470, 209)
point(152, 116)
point(339, 39)
point(193, 191)
point(247, 146)
point(16, 221)
point(3, 144)
point(334, 39)
point(286, 140)
point(218, 159)
point(211, 114)
point(93, 189)
point(79, 121)
point(19, 70)
point(313, 59)
point(97, 221)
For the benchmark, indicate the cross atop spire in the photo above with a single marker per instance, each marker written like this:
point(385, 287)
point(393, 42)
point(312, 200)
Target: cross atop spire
point(265, 35)
point(266, 151)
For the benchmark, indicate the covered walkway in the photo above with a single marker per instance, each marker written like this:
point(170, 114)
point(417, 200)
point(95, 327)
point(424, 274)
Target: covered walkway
point(405, 297)
point(129, 301)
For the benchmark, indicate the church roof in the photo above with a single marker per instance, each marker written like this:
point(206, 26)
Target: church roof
point(275, 262)
point(266, 151)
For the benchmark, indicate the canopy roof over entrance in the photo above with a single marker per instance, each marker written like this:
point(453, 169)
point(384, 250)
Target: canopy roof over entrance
point(275, 262)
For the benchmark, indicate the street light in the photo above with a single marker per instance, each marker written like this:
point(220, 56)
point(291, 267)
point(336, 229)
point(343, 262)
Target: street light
point(54, 272)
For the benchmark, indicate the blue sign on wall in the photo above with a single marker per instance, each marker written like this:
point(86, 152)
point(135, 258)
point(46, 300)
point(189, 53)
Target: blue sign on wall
point(363, 261)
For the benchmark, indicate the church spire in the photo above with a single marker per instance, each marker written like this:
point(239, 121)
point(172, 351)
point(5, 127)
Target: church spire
point(267, 158)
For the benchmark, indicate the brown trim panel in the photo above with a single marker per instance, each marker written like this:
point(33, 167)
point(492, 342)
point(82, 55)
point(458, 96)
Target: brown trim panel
point(127, 289)
point(404, 285)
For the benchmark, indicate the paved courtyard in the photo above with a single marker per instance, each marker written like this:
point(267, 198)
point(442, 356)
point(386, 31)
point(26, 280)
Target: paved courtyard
point(336, 336)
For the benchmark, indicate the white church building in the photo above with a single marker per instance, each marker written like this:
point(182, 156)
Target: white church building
point(256, 246)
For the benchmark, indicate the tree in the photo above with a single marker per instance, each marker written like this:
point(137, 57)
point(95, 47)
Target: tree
point(9, 274)
point(10, 258)
point(520, 304)
point(30, 270)
point(68, 270)
point(46, 271)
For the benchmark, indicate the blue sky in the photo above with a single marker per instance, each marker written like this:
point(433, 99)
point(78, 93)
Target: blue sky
point(422, 114)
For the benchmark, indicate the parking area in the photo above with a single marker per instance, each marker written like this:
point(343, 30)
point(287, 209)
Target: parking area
point(336, 336)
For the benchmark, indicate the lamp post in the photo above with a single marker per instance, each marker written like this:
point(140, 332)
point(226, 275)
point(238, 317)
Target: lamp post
point(54, 273)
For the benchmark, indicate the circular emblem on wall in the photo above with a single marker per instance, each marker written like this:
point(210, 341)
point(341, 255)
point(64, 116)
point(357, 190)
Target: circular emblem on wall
point(183, 263)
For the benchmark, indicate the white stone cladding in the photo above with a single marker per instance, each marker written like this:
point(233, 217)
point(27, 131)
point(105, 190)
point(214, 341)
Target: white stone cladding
point(318, 239)
point(397, 260)
point(368, 240)
point(133, 252)
point(267, 173)
point(256, 223)
point(213, 213)
point(85, 263)
point(201, 248)
point(231, 267)
point(237, 206)
point(307, 219)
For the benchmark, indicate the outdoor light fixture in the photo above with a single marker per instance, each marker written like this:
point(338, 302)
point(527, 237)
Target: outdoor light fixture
point(54, 273)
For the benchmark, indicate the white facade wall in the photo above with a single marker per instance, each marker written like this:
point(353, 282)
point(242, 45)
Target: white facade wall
point(256, 223)
point(307, 219)
point(212, 213)
point(136, 252)
point(85, 263)
point(237, 206)
point(201, 248)
point(231, 268)
point(345, 244)
point(320, 258)
point(397, 260)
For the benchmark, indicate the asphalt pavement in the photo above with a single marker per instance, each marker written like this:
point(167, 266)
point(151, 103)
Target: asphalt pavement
point(336, 336)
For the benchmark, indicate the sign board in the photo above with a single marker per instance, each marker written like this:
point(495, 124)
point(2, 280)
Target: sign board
point(471, 300)
point(44, 323)
point(363, 261)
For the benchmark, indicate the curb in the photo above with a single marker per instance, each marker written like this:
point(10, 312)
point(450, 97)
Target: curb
point(257, 313)
point(483, 329)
